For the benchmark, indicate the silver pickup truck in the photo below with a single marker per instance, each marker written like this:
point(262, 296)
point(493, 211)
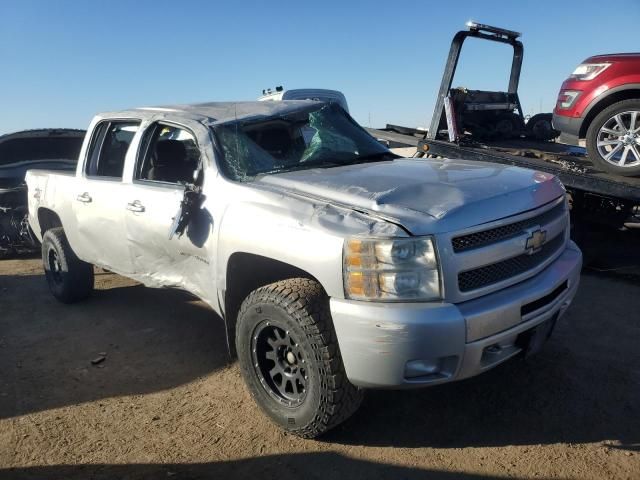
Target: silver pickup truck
point(336, 265)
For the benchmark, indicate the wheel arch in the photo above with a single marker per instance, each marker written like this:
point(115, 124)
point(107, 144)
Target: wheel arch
point(48, 219)
point(245, 272)
point(626, 92)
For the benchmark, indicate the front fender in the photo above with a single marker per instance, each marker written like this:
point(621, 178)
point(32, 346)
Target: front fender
point(306, 235)
point(602, 96)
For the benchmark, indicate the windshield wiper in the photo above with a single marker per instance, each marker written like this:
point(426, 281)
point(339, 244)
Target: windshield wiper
point(372, 157)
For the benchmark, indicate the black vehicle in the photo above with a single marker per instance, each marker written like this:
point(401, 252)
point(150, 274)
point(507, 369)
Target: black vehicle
point(52, 149)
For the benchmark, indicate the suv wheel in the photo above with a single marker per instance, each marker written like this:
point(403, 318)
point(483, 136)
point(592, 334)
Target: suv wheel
point(290, 360)
point(70, 279)
point(613, 138)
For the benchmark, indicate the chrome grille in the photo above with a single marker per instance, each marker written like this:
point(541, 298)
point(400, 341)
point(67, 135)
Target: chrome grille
point(493, 235)
point(497, 272)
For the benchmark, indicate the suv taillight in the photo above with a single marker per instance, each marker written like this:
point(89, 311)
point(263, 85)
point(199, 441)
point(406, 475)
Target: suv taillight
point(588, 71)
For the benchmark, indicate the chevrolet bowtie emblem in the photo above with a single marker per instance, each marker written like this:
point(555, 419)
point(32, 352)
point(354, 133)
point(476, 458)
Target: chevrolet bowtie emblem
point(535, 241)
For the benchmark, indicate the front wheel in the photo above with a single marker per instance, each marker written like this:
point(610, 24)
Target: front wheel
point(290, 360)
point(613, 138)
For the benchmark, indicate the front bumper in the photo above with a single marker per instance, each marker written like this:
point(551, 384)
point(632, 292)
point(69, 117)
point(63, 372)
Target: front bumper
point(387, 345)
point(569, 127)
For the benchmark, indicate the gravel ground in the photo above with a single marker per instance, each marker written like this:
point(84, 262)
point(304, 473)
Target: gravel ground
point(164, 401)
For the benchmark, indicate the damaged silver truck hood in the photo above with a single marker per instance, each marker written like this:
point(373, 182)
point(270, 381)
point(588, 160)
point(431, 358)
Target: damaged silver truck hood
point(425, 195)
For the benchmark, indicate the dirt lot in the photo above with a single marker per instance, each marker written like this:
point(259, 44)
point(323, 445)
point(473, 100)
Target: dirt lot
point(166, 402)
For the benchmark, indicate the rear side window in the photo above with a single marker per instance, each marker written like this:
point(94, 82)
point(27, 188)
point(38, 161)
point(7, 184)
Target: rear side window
point(108, 148)
point(169, 154)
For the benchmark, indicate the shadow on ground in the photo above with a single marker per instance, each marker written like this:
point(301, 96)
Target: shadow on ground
point(153, 340)
point(283, 467)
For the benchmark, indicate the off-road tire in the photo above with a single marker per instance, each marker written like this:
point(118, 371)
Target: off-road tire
point(71, 279)
point(300, 307)
point(592, 137)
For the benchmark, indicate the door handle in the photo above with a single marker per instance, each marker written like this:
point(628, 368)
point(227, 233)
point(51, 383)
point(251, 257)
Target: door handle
point(135, 206)
point(84, 197)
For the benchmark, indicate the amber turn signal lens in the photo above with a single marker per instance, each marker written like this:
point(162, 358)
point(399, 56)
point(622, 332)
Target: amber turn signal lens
point(353, 260)
point(354, 246)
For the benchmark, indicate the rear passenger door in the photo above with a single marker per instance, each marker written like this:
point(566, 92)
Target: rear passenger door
point(99, 201)
point(168, 158)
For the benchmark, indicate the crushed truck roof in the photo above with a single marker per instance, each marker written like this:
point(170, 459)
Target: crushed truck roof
point(220, 112)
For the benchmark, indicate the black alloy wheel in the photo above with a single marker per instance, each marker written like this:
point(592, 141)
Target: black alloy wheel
point(279, 363)
point(290, 359)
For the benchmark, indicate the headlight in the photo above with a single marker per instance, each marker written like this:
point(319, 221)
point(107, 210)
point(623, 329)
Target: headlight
point(588, 71)
point(391, 270)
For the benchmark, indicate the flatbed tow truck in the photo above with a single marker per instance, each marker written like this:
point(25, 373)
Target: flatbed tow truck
point(596, 196)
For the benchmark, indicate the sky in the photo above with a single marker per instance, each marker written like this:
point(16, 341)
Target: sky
point(64, 61)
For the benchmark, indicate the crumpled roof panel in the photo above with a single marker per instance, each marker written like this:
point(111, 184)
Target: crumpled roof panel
point(223, 112)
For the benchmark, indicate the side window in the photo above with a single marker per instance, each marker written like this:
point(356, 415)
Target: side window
point(108, 148)
point(169, 154)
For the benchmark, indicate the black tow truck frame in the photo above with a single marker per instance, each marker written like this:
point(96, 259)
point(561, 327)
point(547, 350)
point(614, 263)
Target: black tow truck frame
point(596, 195)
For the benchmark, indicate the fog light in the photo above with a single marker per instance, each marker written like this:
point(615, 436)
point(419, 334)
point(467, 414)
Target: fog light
point(566, 98)
point(431, 369)
point(420, 368)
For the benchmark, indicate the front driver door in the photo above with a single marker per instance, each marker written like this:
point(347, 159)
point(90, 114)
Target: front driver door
point(168, 157)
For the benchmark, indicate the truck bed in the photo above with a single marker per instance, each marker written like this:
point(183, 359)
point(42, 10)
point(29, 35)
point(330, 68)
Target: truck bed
point(42, 185)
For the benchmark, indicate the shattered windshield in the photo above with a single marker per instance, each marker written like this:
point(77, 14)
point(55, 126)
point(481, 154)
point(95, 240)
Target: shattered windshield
point(319, 136)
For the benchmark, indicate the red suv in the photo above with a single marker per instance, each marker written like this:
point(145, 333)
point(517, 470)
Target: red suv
point(600, 102)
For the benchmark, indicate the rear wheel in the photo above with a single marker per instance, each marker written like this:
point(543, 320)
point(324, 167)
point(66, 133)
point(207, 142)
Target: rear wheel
point(613, 138)
point(290, 358)
point(508, 126)
point(539, 127)
point(69, 278)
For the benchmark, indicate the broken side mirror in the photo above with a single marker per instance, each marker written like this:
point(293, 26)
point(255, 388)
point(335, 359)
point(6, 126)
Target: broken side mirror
point(192, 200)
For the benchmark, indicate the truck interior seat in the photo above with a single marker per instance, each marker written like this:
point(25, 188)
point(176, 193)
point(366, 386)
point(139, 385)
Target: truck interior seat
point(277, 141)
point(169, 164)
point(114, 160)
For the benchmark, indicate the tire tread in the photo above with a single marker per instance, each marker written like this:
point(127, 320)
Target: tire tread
point(305, 300)
point(80, 279)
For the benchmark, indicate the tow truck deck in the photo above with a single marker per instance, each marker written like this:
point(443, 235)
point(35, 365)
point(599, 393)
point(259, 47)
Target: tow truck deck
point(596, 195)
point(570, 164)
